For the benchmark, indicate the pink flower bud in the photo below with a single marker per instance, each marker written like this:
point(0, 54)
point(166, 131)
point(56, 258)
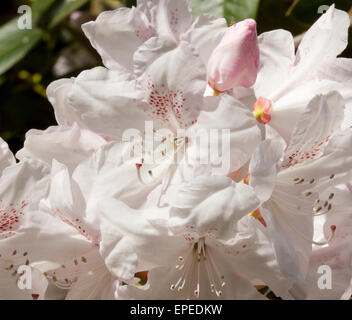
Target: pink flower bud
point(235, 61)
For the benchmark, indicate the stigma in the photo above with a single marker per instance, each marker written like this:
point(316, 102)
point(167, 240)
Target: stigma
point(261, 110)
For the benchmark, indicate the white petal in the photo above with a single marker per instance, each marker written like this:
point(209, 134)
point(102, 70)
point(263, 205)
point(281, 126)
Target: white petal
point(117, 34)
point(106, 173)
point(20, 185)
point(68, 145)
point(141, 244)
point(325, 40)
point(237, 131)
point(337, 255)
point(292, 251)
point(321, 118)
point(288, 109)
point(6, 157)
point(58, 94)
point(170, 18)
point(205, 34)
point(174, 80)
point(10, 289)
point(118, 253)
point(263, 168)
point(68, 203)
point(339, 70)
point(255, 257)
point(106, 102)
point(211, 204)
point(277, 56)
point(332, 168)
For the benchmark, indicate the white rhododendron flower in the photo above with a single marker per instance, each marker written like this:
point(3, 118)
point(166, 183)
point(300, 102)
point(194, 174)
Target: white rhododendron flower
point(288, 80)
point(165, 19)
point(318, 157)
point(200, 162)
point(193, 261)
point(6, 156)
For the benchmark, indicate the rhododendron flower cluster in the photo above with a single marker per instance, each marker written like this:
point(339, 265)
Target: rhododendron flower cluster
point(202, 161)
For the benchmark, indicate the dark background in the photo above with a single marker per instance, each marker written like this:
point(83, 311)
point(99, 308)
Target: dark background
point(23, 103)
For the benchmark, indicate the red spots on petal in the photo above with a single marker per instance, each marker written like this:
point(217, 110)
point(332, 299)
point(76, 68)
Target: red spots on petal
point(168, 105)
point(144, 33)
point(76, 223)
point(312, 152)
point(9, 218)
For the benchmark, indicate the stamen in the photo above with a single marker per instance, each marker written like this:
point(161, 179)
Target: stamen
point(333, 228)
point(191, 264)
point(155, 173)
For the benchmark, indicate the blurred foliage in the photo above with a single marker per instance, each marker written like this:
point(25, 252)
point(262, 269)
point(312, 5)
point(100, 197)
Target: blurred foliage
point(235, 10)
point(56, 47)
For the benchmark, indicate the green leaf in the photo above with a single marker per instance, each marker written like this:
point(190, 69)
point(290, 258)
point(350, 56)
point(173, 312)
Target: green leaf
point(214, 7)
point(238, 9)
point(16, 44)
point(38, 8)
point(64, 9)
point(241, 9)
